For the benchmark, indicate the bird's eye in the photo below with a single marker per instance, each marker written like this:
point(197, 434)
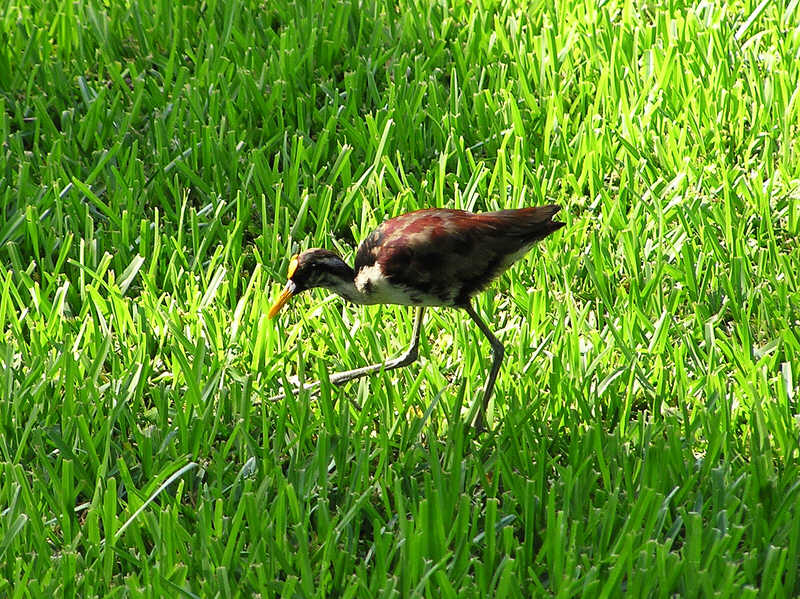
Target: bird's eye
point(292, 266)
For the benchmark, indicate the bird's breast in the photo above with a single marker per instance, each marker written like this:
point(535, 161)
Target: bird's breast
point(376, 287)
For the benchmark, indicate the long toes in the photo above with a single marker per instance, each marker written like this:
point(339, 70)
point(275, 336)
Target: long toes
point(479, 427)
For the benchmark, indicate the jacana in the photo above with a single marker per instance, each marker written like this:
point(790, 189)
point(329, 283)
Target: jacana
point(430, 257)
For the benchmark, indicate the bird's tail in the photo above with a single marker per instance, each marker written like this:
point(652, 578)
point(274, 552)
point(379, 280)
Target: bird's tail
point(549, 225)
point(533, 223)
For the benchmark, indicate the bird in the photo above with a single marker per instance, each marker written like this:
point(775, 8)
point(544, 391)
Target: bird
point(427, 258)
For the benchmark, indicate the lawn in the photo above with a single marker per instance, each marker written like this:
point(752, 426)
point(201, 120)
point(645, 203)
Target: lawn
point(161, 161)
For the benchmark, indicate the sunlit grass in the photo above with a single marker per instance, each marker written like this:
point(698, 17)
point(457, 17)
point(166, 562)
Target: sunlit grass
point(159, 164)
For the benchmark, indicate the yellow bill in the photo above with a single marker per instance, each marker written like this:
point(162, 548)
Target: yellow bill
point(288, 291)
point(284, 297)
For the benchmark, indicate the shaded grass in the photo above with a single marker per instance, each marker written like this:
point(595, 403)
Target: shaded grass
point(160, 163)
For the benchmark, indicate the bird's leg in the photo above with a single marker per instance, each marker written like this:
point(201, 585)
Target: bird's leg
point(407, 358)
point(410, 356)
point(497, 358)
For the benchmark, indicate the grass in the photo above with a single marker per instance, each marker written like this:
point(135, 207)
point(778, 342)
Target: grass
point(160, 162)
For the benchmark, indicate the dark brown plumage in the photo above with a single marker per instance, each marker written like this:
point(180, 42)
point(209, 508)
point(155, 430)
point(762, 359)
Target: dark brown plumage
point(430, 257)
point(451, 255)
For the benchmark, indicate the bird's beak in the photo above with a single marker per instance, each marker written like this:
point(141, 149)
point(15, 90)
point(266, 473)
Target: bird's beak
point(284, 297)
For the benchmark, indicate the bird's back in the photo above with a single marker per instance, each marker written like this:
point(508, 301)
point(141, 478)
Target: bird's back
point(443, 257)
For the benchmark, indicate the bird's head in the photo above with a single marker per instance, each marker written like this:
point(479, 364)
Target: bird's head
point(313, 268)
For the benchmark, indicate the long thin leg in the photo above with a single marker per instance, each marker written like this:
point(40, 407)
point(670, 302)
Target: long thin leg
point(410, 356)
point(497, 358)
point(407, 358)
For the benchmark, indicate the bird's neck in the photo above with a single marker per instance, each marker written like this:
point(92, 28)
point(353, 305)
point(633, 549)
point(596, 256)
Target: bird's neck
point(347, 290)
point(343, 284)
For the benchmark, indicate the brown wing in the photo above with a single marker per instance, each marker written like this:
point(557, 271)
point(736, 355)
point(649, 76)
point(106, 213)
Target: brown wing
point(453, 254)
